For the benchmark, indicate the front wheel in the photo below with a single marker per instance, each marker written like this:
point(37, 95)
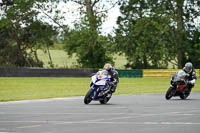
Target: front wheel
point(170, 93)
point(88, 97)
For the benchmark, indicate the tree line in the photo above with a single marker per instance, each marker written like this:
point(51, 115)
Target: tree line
point(151, 34)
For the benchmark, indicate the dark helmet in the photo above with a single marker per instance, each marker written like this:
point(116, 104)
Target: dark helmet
point(107, 67)
point(188, 67)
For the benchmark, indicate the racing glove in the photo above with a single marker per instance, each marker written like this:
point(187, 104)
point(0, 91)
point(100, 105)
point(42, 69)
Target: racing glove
point(192, 82)
point(111, 83)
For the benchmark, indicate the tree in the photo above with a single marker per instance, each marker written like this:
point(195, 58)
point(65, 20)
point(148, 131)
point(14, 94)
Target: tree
point(193, 50)
point(86, 40)
point(25, 31)
point(185, 13)
point(143, 36)
point(157, 29)
point(188, 30)
point(7, 51)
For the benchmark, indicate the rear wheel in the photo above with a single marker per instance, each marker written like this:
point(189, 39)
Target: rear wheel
point(170, 93)
point(184, 95)
point(88, 97)
point(105, 99)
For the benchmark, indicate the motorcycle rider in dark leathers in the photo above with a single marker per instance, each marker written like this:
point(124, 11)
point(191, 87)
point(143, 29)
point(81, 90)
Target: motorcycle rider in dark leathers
point(114, 76)
point(192, 76)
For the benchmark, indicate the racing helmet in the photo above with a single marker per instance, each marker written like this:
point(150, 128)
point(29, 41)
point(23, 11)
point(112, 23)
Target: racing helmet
point(107, 67)
point(188, 67)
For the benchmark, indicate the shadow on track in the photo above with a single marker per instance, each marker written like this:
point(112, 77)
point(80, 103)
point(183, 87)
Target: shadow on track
point(190, 99)
point(108, 104)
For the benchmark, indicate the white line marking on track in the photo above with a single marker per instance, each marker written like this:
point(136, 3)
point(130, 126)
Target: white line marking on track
point(4, 113)
point(188, 114)
point(104, 113)
point(41, 100)
point(7, 132)
point(131, 116)
point(132, 123)
point(26, 121)
point(102, 122)
point(31, 126)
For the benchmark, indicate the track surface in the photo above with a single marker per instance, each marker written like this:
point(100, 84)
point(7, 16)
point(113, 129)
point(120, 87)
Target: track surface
point(123, 114)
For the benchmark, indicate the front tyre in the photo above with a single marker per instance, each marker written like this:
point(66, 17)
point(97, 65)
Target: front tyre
point(88, 97)
point(170, 93)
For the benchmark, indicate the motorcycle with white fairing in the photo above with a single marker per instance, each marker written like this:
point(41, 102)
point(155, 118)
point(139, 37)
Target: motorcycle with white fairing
point(99, 88)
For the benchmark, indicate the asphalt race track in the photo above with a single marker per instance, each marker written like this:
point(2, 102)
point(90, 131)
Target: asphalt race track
point(148, 113)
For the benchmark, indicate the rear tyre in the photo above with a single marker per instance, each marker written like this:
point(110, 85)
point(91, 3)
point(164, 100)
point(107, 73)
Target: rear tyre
point(105, 99)
point(170, 93)
point(88, 97)
point(184, 96)
point(186, 93)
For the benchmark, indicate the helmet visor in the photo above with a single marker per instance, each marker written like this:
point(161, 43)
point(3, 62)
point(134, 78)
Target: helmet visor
point(188, 69)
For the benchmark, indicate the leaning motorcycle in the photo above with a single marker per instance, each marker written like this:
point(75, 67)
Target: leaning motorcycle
point(179, 86)
point(99, 88)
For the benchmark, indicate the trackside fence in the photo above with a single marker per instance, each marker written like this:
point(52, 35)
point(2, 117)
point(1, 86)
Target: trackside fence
point(159, 72)
point(43, 72)
point(136, 73)
point(162, 72)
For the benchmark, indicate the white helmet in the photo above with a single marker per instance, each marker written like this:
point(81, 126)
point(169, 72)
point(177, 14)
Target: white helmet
point(107, 67)
point(188, 67)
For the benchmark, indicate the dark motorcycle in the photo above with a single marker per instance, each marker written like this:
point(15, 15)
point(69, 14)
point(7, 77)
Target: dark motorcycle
point(179, 86)
point(99, 88)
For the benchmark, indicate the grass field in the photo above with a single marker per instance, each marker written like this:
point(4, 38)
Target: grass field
point(60, 59)
point(12, 89)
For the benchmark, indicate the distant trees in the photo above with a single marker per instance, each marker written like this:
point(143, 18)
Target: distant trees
point(85, 40)
point(152, 33)
point(22, 33)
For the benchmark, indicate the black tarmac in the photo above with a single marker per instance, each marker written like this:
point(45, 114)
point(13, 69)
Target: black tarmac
point(148, 113)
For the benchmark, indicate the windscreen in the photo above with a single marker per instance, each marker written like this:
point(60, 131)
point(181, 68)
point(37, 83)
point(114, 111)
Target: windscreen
point(102, 74)
point(180, 75)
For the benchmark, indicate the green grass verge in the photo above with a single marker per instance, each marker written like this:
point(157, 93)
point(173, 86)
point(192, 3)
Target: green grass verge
point(12, 89)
